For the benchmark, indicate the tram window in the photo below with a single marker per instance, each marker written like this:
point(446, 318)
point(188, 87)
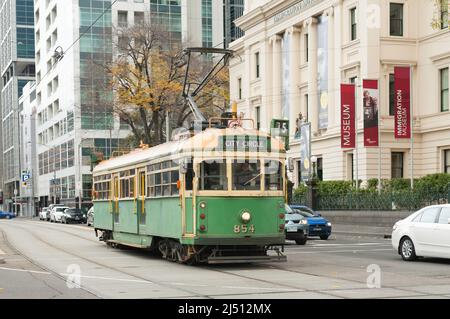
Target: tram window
point(166, 164)
point(158, 191)
point(131, 181)
point(165, 177)
point(189, 177)
point(166, 190)
point(246, 175)
point(273, 177)
point(157, 178)
point(213, 176)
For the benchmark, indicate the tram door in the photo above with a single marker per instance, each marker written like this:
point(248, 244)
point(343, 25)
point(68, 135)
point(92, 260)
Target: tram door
point(115, 201)
point(187, 200)
point(141, 214)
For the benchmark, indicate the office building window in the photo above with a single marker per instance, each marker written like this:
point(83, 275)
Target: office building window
point(353, 24)
point(350, 167)
point(258, 117)
point(444, 90)
point(397, 165)
point(447, 161)
point(138, 17)
point(122, 17)
point(396, 19)
point(240, 88)
point(320, 168)
point(307, 47)
point(353, 80)
point(307, 107)
point(257, 64)
point(391, 95)
point(444, 14)
point(299, 172)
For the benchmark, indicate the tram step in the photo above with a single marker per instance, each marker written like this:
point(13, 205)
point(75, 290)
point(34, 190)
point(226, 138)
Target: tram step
point(245, 259)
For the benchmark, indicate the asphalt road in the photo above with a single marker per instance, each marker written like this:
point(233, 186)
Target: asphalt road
point(43, 260)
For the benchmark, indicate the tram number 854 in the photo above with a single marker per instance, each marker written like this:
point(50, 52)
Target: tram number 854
point(244, 228)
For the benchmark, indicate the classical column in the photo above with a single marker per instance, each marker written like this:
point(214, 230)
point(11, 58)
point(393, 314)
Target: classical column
point(311, 25)
point(331, 68)
point(276, 76)
point(337, 54)
point(294, 76)
point(266, 97)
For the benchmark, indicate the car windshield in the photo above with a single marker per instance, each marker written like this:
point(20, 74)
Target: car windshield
point(304, 213)
point(246, 175)
point(293, 216)
point(213, 175)
point(60, 209)
point(73, 211)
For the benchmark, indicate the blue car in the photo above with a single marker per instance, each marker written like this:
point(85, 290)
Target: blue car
point(7, 215)
point(318, 226)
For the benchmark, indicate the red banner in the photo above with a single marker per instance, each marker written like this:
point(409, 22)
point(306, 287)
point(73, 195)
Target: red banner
point(348, 116)
point(370, 107)
point(402, 76)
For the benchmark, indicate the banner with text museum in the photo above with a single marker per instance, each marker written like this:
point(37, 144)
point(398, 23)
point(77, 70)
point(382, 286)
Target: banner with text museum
point(370, 108)
point(348, 115)
point(402, 77)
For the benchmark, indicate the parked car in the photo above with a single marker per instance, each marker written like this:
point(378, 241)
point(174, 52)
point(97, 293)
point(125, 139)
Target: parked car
point(44, 214)
point(318, 226)
point(90, 217)
point(56, 213)
point(296, 226)
point(73, 215)
point(6, 215)
point(425, 233)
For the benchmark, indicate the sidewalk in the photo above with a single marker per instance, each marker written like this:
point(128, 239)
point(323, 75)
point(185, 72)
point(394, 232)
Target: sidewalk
point(362, 230)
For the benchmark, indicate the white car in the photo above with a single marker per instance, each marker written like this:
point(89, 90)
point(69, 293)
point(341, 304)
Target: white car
point(426, 233)
point(56, 213)
point(44, 213)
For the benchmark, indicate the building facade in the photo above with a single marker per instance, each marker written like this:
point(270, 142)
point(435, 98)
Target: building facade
point(295, 55)
point(16, 68)
point(74, 115)
point(28, 165)
point(232, 9)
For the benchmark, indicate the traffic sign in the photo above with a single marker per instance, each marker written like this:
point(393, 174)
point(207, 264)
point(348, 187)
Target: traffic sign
point(25, 176)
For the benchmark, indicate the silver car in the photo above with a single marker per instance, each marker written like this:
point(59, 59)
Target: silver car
point(90, 217)
point(296, 227)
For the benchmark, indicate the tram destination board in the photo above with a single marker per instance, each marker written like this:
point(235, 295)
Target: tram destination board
point(244, 143)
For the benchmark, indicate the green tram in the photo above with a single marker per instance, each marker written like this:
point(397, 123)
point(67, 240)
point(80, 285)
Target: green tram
point(214, 197)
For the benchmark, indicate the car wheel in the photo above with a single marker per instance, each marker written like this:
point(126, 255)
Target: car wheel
point(407, 250)
point(324, 237)
point(301, 241)
point(8, 217)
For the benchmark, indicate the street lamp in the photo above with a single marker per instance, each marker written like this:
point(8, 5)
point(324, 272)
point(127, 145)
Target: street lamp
point(312, 186)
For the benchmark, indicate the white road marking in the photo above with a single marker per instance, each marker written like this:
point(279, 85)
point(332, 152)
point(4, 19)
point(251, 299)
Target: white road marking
point(109, 278)
point(25, 270)
point(358, 244)
point(258, 288)
point(2, 252)
point(337, 251)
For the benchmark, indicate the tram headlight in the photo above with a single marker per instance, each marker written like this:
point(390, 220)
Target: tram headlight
point(246, 216)
point(202, 205)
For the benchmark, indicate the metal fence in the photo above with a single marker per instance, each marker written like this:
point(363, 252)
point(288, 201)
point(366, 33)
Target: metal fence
point(397, 200)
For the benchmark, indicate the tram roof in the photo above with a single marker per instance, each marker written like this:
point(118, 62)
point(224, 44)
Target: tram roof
point(206, 140)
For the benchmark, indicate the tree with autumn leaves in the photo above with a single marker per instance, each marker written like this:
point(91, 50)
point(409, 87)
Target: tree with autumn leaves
point(147, 81)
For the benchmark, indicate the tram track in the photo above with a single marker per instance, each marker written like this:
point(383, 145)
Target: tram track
point(277, 287)
point(89, 260)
